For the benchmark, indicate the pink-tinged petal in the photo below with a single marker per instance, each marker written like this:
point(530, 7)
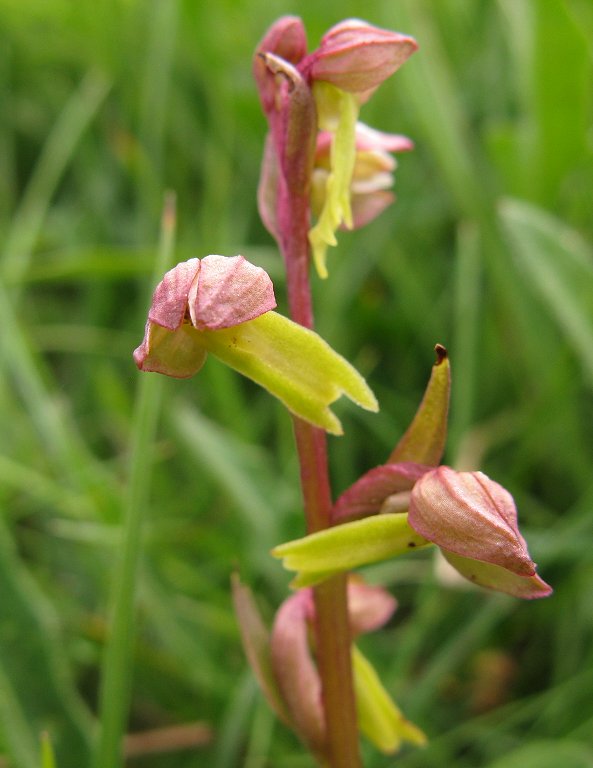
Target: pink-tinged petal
point(229, 291)
point(470, 515)
point(498, 578)
point(424, 440)
point(356, 56)
point(177, 353)
point(369, 608)
point(295, 670)
point(368, 139)
point(366, 496)
point(286, 38)
point(169, 301)
point(366, 208)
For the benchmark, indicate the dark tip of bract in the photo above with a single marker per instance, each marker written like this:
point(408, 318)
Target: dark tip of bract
point(441, 353)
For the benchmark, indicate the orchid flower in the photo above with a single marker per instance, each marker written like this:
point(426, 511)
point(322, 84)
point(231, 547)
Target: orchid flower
point(347, 167)
point(406, 504)
point(223, 305)
point(284, 665)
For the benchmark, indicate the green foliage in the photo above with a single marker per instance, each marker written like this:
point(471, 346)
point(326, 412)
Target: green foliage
point(487, 251)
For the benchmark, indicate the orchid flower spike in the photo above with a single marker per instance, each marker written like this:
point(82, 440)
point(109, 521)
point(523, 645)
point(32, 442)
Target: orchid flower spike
point(284, 665)
point(223, 305)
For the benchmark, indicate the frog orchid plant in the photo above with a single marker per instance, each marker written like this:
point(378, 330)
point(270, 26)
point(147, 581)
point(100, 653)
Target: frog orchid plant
point(323, 170)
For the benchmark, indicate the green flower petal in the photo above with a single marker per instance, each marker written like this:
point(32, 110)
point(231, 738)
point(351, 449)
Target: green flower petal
point(178, 353)
point(292, 363)
point(337, 209)
point(348, 546)
point(499, 579)
point(379, 718)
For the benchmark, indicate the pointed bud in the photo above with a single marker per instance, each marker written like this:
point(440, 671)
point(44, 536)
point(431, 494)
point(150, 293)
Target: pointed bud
point(470, 515)
point(357, 57)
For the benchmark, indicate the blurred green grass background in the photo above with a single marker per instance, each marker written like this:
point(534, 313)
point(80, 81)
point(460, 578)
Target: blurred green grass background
point(105, 106)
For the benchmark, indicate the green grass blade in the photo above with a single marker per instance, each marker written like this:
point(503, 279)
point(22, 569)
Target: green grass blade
point(115, 693)
point(55, 156)
point(465, 348)
point(36, 689)
point(549, 140)
point(558, 267)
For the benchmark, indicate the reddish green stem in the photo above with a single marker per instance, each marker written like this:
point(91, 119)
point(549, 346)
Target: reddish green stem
point(332, 631)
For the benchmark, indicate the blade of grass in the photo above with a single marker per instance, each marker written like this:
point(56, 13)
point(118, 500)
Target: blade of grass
point(220, 454)
point(57, 152)
point(38, 486)
point(18, 736)
point(36, 689)
point(465, 351)
point(432, 88)
point(559, 269)
point(457, 647)
point(115, 691)
point(550, 140)
point(234, 723)
point(161, 39)
point(61, 439)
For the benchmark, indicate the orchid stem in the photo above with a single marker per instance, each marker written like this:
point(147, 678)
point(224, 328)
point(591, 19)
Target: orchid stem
point(332, 631)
